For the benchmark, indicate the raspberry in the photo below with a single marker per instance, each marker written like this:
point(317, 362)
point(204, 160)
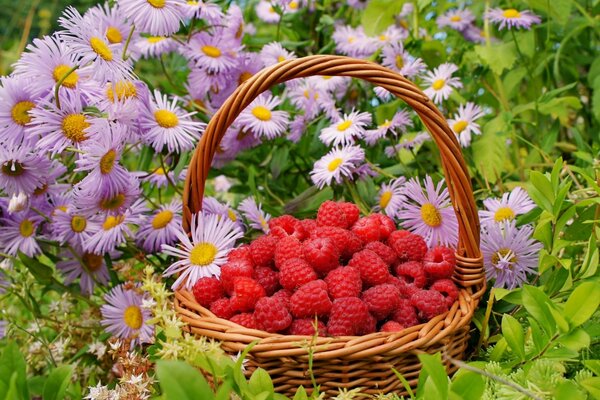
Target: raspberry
point(367, 229)
point(386, 225)
point(232, 270)
point(412, 272)
point(245, 319)
point(263, 250)
point(368, 326)
point(344, 282)
point(346, 241)
point(241, 253)
point(308, 225)
point(246, 292)
point(428, 303)
point(447, 288)
point(222, 308)
point(287, 248)
point(354, 244)
point(278, 233)
point(322, 254)
point(347, 316)
point(268, 279)
point(271, 315)
point(373, 271)
point(391, 326)
point(284, 296)
point(331, 214)
point(206, 290)
point(351, 212)
point(385, 252)
point(286, 222)
point(382, 300)
point(405, 314)
point(439, 262)
point(306, 327)
point(408, 246)
point(295, 273)
point(311, 299)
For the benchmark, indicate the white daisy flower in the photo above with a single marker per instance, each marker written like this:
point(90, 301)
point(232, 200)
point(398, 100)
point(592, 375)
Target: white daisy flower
point(463, 124)
point(336, 165)
point(348, 128)
point(514, 203)
point(260, 118)
point(391, 197)
point(441, 82)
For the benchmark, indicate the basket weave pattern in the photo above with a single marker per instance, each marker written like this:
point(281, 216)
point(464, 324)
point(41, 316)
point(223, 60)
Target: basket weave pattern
point(346, 362)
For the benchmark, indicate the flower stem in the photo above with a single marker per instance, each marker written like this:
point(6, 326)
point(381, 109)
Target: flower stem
point(60, 82)
point(125, 57)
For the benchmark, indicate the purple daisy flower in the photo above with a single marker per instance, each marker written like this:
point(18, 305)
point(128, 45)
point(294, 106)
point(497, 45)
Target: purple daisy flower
point(392, 34)
point(254, 214)
point(21, 170)
point(18, 233)
point(70, 227)
point(88, 267)
point(391, 197)
point(383, 94)
point(155, 46)
point(307, 96)
point(266, 12)
point(215, 53)
point(248, 65)
point(512, 18)
point(337, 165)
point(274, 53)
point(160, 228)
point(164, 123)
point(509, 253)
point(88, 201)
point(16, 103)
point(514, 203)
point(399, 60)
point(428, 213)
point(213, 238)
point(210, 205)
point(158, 178)
point(204, 10)
point(260, 118)
point(401, 120)
point(463, 124)
point(348, 128)
point(352, 42)
point(117, 28)
point(156, 17)
point(456, 19)
point(474, 34)
point(124, 316)
point(441, 83)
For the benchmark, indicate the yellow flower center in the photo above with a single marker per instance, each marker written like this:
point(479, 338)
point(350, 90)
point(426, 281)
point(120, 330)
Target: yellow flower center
point(162, 219)
point(280, 59)
point(159, 171)
point(262, 113)
point(121, 90)
point(399, 61)
point(155, 39)
point(511, 13)
point(93, 262)
point(342, 126)
point(41, 190)
point(430, 215)
point(101, 48)
point(113, 203)
point(383, 38)
point(455, 18)
point(78, 223)
point(438, 84)
point(107, 162)
point(386, 124)
point(166, 118)
point(502, 253)
point(504, 214)
point(61, 70)
point(192, 3)
point(114, 35)
point(111, 221)
point(203, 254)
point(385, 198)
point(26, 228)
point(244, 76)
point(132, 316)
point(231, 215)
point(211, 51)
point(293, 5)
point(20, 112)
point(157, 3)
point(351, 39)
point(334, 164)
point(459, 126)
point(73, 126)
point(61, 208)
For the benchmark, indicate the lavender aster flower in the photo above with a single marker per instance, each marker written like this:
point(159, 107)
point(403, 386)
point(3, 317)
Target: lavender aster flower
point(511, 18)
point(346, 129)
point(16, 102)
point(391, 197)
point(161, 228)
point(203, 10)
point(18, 233)
point(260, 118)
point(274, 53)
point(401, 120)
point(456, 19)
point(215, 53)
point(156, 17)
point(266, 12)
point(441, 82)
point(21, 170)
point(88, 201)
point(70, 227)
point(88, 267)
point(337, 165)
point(254, 214)
point(399, 60)
point(514, 203)
point(155, 46)
point(463, 124)
point(408, 141)
point(509, 253)
point(352, 42)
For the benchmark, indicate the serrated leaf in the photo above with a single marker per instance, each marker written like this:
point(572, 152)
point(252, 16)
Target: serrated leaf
point(489, 150)
point(497, 57)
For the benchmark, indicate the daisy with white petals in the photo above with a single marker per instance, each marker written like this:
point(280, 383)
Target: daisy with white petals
point(260, 118)
point(514, 203)
point(156, 17)
point(391, 197)
point(337, 165)
point(254, 214)
point(346, 129)
point(463, 124)
point(441, 82)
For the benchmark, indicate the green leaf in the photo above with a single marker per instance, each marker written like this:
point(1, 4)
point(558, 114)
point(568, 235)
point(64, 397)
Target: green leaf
point(489, 150)
point(544, 186)
point(568, 390)
point(468, 385)
point(434, 370)
point(513, 333)
point(300, 394)
point(592, 385)
point(404, 383)
point(575, 340)
point(41, 272)
point(536, 302)
point(386, 111)
point(180, 381)
point(57, 382)
point(224, 392)
point(558, 10)
point(582, 303)
point(379, 14)
point(12, 367)
point(280, 161)
point(260, 381)
point(596, 99)
point(593, 365)
point(498, 57)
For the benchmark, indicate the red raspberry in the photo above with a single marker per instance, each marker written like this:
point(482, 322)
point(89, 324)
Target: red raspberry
point(439, 262)
point(412, 272)
point(369, 325)
point(295, 273)
point(448, 289)
point(286, 222)
point(246, 292)
point(405, 314)
point(346, 241)
point(306, 327)
point(222, 308)
point(308, 225)
point(287, 248)
point(268, 279)
point(206, 290)
point(348, 315)
point(271, 315)
point(385, 252)
point(245, 319)
point(367, 229)
point(382, 300)
point(351, 212)
point(284, 296)
point(322, 254)
point(232, 270)
point(391, 326)
point(241, 253)
point(354, 244)
point(331, 214)
point(373, 270)
point(386, 225)
point(344, 282)
point(408, 246)
point(263, 250)
point(311, 299)
point(428, 303)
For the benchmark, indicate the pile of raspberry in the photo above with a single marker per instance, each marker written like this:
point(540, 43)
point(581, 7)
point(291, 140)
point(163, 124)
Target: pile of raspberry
point(343, 274)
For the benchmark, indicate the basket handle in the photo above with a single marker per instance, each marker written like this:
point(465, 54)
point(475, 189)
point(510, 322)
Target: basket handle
point(453, 164)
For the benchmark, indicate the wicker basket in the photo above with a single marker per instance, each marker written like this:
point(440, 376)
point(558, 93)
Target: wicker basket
point(346, 362)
